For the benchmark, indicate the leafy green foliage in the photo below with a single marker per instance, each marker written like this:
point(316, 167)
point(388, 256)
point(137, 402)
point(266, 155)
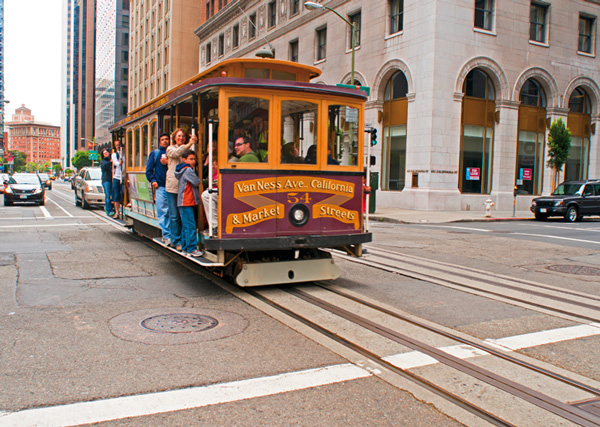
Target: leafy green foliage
point(559, 143)
point(81, 159)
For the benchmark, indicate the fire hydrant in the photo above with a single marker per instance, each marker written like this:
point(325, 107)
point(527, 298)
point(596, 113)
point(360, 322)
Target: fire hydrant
point(488, 207)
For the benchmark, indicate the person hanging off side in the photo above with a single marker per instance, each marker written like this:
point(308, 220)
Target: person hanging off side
point(188, 198)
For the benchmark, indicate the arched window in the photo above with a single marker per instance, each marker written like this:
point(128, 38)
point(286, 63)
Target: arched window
point(393, 165)
point(531, 138)
point(477, 139)
point(579, 123)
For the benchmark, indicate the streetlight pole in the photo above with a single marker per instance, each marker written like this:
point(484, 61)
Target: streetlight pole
point(313, 6)
point(93, 146)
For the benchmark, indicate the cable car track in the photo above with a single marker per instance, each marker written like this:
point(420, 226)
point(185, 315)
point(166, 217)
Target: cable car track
point(576, 306)
point(530, 395)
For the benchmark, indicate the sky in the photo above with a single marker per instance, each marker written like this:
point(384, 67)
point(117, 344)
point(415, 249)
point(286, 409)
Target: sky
point(32, 58)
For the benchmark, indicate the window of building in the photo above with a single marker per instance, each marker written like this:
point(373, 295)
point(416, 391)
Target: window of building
point(586, 34)
point(531, 139)
point(396, 16)
point(477, 139)
point(579, 123)
point(484, 13)
point(393, 164)
point(321, 43)
point(252, 26)
point(272, 14)
point(354, 19)
point(538, 20)
point(294, 7)
point(221, 45)
point(294, 50)
point(208, 52)
point(235, 36)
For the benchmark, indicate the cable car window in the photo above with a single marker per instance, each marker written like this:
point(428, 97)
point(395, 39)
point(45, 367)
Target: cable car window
point(283, 75)
point(298, 131)
point(248, 129)
point(342, 135)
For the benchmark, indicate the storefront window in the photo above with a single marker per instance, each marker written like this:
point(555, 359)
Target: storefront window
point(531, 139)
point(393, 165)
point(579, 123)
point(477, 140)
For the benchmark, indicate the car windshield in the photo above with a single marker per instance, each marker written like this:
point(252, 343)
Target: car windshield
point(95, 174)
point(44, 176)
point(568, 190)
point(25, 179)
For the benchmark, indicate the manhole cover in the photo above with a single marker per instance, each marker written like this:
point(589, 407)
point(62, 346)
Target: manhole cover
point(575, 269)
point(179, 323)
point(176, 325)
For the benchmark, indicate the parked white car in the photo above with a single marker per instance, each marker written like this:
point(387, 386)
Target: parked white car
point(87, 185)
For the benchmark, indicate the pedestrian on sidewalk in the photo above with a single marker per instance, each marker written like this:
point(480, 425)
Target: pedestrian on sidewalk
point(188, 197)
point(156, 172)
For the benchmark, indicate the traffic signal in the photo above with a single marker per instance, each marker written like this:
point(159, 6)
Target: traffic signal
point(373, 136)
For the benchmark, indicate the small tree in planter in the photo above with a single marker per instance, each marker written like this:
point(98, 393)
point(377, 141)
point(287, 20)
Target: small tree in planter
point(559, 143)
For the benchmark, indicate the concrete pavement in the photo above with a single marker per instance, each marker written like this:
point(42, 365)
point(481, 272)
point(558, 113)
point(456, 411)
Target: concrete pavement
point(408, 216)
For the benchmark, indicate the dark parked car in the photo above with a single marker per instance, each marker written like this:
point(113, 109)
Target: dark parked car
point(572, 200)
point(24, 187)
point(45, 179)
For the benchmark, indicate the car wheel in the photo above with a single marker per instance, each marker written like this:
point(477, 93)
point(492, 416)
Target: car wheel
point(42, 202)
point(572, 214)
point(540, 217)
point(7, 203)
point(76, 199)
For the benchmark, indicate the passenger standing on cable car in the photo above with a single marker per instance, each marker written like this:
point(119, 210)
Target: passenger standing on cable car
point(156, 172)
point(180, 142)
point(106, 168)
point(117, 177)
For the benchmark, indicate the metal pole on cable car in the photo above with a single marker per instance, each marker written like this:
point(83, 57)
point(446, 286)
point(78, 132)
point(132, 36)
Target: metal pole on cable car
point(210, 174)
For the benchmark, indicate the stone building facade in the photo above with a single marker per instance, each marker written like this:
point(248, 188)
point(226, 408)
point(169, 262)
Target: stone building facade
point(40, 141)
point(462, 92)
point(163, 51)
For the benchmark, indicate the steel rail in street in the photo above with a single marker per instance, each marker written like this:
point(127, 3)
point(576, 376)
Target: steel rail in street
point(534, 397)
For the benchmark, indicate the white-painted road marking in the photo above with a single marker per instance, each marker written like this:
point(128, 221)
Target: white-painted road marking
point(177, 400)
point(545, 236)
point(415, 359)
point(546, 337)
point(45, 212)
point(60, 207)
point(53, 225)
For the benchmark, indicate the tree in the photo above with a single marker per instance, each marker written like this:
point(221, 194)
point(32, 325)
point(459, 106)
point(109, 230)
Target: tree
point(32, 167)
point(559, 143)
point(56, 169)
point(81, 159)
point(19, 160)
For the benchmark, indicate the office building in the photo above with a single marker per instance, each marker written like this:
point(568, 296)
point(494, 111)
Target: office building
point(462, 92)
point(112, 65)
point(163, 50)
point(39, 141)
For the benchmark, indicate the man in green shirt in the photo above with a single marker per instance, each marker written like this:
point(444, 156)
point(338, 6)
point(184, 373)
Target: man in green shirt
point(243, 150)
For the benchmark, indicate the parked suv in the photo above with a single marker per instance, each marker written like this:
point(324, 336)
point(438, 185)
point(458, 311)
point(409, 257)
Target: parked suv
point(87, 186)
point(572, 200)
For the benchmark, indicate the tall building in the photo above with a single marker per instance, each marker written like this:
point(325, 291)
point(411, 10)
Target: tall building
point(163, 51)
point(78, 76)
point(40, 141)
point(112, 64)
point(2, 140)
point(462, 92)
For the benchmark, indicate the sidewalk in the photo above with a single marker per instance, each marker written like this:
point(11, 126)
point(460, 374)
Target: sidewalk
point(407, 216)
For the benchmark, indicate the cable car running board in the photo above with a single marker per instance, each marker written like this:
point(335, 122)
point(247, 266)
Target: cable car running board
point(204, 262)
